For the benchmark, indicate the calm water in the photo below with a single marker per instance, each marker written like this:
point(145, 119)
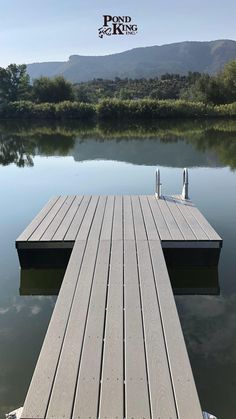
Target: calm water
point(41, 160)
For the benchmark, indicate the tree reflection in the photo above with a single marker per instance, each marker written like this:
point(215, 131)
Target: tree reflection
point(14, 150)
point(21, 142)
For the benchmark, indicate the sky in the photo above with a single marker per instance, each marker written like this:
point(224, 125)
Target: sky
point(52, 30)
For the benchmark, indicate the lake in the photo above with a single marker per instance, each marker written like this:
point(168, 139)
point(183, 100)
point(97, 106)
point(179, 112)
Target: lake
point(39, 160)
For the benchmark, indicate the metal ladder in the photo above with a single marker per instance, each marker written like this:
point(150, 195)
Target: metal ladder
point(184, 194)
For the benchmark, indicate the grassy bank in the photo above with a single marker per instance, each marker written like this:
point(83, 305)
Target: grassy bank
point(117, 110)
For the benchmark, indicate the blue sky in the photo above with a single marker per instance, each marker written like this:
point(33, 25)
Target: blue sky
point(51, 30)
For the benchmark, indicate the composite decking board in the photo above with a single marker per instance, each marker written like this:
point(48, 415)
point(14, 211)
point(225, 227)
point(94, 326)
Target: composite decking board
point(191, 220)
point(108, 219)
point(58, 219)
point(62, 398)
point(112, 386)
point(38, 233)
point(117, 231)
point(140, 231)
point(37, 398)
point(87, 390)
point(37, 220)
point(88, 219)
point(63, 228)
point(97, 222)
point(169, 219)
point(181, 221)
point(149, 222)
point(162, 228)
point(205, 225)
point(171, 224)
point(136, 384)
point(77, 220)
point(181, 374)
point(161, 391)
point(128, 219)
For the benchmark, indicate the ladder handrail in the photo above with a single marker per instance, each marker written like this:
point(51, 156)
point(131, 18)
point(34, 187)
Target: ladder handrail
point(185, 184)
point(158, 184)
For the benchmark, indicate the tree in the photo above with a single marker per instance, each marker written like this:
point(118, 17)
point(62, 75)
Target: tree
point(228, 77)
point(14, 83)
point(81, 94)
point(52, 90)
point(217, 89)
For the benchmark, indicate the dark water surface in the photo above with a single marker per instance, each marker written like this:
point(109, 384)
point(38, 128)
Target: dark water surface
point(41, 160)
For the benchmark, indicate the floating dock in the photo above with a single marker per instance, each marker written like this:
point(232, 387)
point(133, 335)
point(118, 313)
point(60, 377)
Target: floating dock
point(114, 347)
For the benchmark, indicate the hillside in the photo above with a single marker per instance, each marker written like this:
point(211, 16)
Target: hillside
point(145, 62)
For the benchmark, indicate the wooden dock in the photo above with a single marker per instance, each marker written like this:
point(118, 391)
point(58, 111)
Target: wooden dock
point(114, 347)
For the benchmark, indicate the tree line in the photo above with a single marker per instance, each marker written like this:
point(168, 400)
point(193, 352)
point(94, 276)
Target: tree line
point(217, 89)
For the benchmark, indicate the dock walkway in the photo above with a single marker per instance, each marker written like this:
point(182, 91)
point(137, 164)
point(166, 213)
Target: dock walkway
point(114, 347)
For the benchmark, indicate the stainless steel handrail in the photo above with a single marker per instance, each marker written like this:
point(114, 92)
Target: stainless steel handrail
point(158, 184)
point(185, 194)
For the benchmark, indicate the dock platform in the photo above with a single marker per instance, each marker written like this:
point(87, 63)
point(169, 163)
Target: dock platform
point(114, 347)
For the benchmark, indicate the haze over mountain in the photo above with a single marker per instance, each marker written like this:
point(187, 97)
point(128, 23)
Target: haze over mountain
point(207, 57)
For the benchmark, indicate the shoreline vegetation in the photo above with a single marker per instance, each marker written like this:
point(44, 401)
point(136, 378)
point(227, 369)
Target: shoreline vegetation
point(194, 95)
point(111, 109)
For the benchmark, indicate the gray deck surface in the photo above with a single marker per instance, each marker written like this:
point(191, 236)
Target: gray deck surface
point(65, 219)
point(114, 347)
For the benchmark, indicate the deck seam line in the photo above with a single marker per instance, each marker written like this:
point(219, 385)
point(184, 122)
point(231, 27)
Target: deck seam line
point(86, 208)
point(163, 330)
point(88, 307)
point(68, 196)
point(155, 221)
point(172, 217)
point(63, 202)
point(59, 356)
point(184, 218)
point(105, 313)
point(42, 218)
point(85, 247)
point(94, 213)
point(161, 319)
point(124, 328)
point(176, 220)
point(179, 207)
point(141, 307)
point(76, 214)
point(156, 200)
point(144, 218)
point(66, 215)
point(202, 227)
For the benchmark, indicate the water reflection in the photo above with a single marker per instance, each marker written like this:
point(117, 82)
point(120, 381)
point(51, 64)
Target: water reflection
point(41, 281)
point(195, 280)
point(185, 281)
point(175, 143)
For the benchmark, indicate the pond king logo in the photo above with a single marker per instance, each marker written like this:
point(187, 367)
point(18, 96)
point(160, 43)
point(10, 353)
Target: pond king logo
point(117, 25)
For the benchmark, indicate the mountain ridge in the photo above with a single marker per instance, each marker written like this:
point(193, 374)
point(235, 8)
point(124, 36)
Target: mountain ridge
point(152, 61)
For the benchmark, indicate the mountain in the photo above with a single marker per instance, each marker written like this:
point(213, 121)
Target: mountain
point(208, 57)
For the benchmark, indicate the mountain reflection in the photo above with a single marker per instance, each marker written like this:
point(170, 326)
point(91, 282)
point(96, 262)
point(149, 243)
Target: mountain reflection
point(167, 143)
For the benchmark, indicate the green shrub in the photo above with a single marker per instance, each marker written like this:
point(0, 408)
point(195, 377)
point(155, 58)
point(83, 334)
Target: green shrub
point(228, 110)
point(126, 110)
point(75, 110)
point(26, 109)
point(156, 109)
